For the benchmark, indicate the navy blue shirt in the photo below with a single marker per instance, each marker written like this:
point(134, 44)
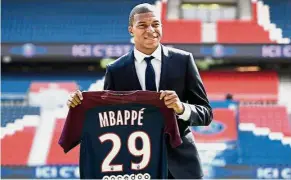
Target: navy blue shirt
point(122, 134)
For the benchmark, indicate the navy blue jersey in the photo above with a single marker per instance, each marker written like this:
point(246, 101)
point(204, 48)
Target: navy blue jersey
point(122, 135)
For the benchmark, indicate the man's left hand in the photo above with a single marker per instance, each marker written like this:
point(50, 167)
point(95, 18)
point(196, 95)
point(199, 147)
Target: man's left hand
point(172, 100)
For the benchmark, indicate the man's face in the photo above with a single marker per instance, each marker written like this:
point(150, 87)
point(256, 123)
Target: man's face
point(146, 30)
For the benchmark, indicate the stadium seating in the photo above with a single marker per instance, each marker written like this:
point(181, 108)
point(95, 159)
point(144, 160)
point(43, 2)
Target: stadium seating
point(275, 118)
point(79, 21)
point(280, 15)
point(244, 86)
point(66, 21)
point(228, 31)
point(262, 132)
point(238, 31)
point(18, 126)
point(260, 150)
point(11, 113)
point(180, 31)
point(23, 81)
point(17, 137)
point(16, 148)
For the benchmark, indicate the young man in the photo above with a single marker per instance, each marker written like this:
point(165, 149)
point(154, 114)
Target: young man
point(152, 66)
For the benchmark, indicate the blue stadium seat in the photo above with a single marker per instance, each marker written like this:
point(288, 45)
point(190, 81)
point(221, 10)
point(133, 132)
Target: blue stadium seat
point(280, 15)
point(9, 80)
point(230, 156)
point(10, 113)
point(261, 150)
point(67, 21)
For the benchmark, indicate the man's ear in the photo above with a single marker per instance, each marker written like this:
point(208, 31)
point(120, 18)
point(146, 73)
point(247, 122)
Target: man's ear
point(130, 30)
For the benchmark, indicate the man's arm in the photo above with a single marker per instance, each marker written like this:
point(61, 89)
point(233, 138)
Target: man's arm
point(108, 82)
point(197, 101)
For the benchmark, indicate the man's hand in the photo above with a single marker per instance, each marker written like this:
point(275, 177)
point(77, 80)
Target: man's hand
point(75, 99)
point(172, 100)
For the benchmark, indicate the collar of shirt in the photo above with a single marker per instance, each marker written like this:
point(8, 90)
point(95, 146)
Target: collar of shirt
point(139, 56)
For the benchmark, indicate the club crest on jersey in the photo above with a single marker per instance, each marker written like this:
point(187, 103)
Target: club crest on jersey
point(213, 128)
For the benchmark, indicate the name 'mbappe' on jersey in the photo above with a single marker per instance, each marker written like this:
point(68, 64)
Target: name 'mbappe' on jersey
point(120, 118)
point(122, 134)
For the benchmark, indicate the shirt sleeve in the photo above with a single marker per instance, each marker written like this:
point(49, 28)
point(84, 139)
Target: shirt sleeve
point(71, 133)
point(186, 114)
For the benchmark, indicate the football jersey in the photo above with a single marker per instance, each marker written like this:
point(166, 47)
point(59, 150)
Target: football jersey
point(121, 135)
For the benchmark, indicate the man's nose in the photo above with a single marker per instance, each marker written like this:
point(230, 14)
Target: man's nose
point(150, 29)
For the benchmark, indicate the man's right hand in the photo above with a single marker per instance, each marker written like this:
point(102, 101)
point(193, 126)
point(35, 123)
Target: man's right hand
point(75, 99)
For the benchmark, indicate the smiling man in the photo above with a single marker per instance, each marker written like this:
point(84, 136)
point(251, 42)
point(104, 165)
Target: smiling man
point(154, 67)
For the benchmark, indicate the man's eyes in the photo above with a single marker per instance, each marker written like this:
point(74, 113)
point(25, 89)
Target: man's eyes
point(143, 25)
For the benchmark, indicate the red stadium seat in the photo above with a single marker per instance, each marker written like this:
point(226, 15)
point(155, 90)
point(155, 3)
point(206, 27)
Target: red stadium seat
point(180, 31)
point(236, 31)
point(239, 31)
point(56, 154)
point(15, 148)
point(244, 86)
point(273, 117)
point(37, 87)
point(228, 31)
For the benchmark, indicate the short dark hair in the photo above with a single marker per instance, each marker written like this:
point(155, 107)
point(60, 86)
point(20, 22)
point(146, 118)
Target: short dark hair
point(228, 96)
point(139, 9)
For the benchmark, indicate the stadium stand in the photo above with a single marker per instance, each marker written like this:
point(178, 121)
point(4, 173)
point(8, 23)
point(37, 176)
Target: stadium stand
point(24, 80)
point(66, 21)
point(244, 86)
point(228, 27)
point(173, 28)
point(264, 129)
point(11, 113)
point(18, 134)
point(78, 23)
point(280, 15)
point(256, 33)
point(274, 118)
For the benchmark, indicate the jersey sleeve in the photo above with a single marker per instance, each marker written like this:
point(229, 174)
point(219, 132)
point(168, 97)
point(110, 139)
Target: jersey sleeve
point(171, 127)
point(71, 133)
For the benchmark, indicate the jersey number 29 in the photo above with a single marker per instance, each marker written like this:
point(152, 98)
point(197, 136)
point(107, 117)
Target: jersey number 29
point(145, 151)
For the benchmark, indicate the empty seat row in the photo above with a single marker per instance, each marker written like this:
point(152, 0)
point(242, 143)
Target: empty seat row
point(244, 86)
point(10, 113)
point(107, 21)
